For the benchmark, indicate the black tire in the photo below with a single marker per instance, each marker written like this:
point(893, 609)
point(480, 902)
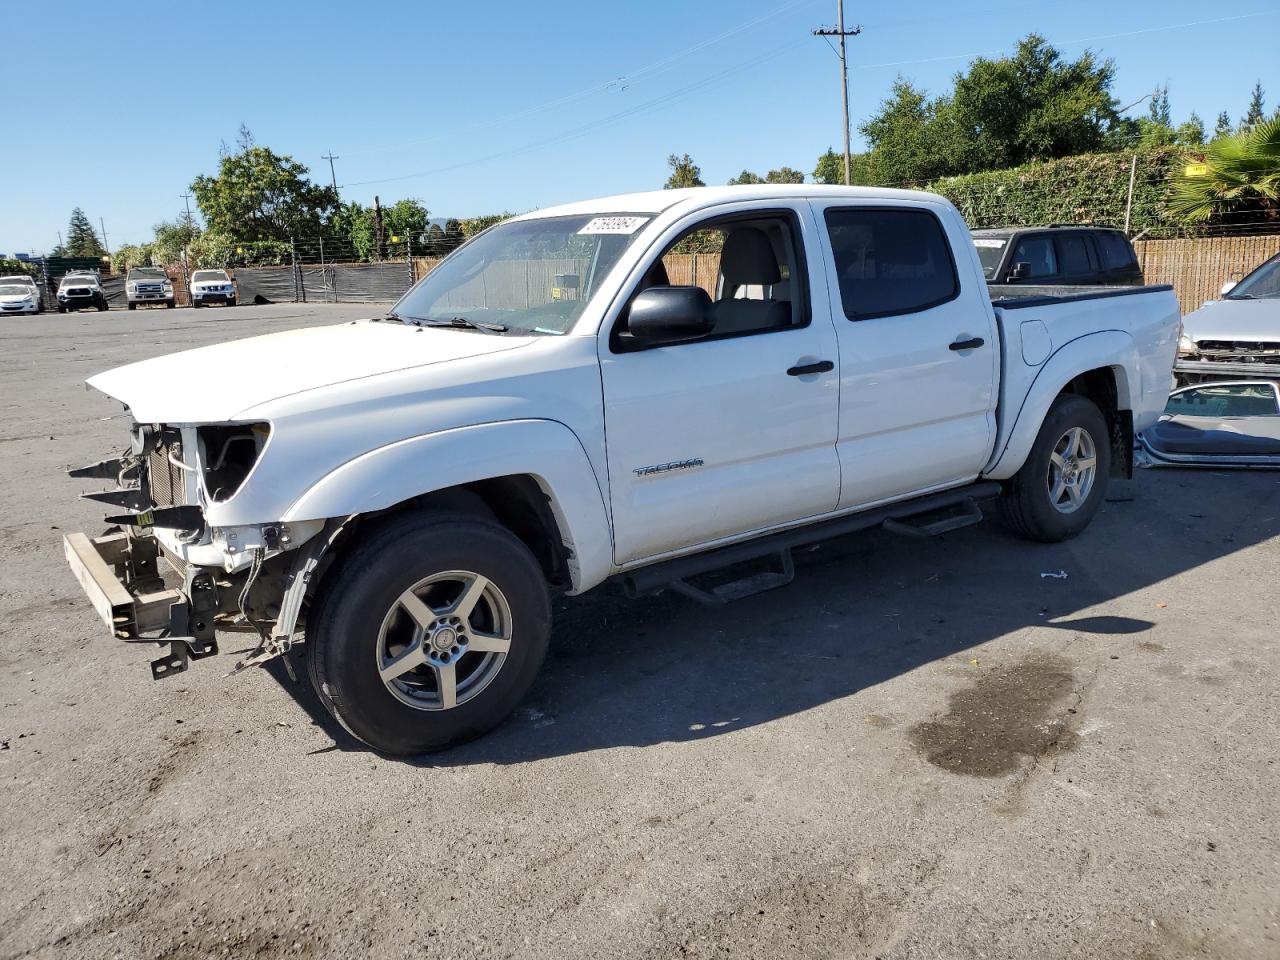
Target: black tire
point(133, 306)
point(196, 304)
point(169, 304)
point(1027, 504)
point(343, 636)
point(61, 308)
point(231, 302)
point(102, 306)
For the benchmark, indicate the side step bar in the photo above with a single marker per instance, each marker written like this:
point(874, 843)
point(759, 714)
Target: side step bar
point(895, 517)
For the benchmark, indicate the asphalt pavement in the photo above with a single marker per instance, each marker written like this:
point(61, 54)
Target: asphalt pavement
point(919, 749)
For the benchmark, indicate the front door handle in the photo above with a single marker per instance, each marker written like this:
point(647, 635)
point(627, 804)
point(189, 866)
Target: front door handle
point(820, 366)
point(971, 344)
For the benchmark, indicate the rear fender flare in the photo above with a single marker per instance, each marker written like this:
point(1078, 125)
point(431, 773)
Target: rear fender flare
point(1113, 349)
point(546, 450)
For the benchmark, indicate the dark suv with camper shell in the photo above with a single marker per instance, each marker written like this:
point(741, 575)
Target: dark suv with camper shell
point(1057, 255)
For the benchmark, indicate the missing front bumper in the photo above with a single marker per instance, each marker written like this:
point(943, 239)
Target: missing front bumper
point(119, 574)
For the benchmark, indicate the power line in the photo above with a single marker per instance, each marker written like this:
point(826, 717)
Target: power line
point(843, 34)
point(588, 127)
point(621, 82)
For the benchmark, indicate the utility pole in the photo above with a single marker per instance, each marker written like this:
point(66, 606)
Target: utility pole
point(105, 243)
point(842, 33)
point(332, 176)
point(186, 264)
point(378, 232)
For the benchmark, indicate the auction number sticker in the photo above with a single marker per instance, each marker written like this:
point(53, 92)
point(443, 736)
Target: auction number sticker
point(980, 242)
point(623, 225)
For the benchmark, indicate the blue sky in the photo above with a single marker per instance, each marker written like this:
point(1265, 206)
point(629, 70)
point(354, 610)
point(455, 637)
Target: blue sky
point(477, 108)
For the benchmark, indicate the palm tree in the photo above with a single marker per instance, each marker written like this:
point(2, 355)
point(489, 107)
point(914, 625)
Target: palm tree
point(1240, 174)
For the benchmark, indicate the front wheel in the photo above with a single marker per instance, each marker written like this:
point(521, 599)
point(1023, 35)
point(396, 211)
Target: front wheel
point(1060, 487)
point(428, 632)
point(169, 304)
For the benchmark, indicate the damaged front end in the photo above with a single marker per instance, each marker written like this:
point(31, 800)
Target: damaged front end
point(162, 574)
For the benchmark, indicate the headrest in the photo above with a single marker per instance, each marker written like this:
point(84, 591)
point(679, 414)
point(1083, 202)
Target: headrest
point(747, 258)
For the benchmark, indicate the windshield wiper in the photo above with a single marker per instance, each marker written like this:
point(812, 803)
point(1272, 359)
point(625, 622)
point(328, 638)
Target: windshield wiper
point(465, 323)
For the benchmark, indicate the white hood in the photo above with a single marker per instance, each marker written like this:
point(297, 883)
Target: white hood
point(16, 297)
point(1248, 320)
point(213, 384)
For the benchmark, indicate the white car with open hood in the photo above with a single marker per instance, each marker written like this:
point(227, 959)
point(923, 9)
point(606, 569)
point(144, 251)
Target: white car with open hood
point(551, 408)
point(1238, 336)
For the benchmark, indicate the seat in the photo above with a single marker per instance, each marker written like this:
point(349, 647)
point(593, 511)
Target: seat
point(748, 260)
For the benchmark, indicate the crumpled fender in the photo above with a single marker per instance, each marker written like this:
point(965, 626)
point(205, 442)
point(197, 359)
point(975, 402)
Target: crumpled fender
point(1115, 349)
point(546, 450)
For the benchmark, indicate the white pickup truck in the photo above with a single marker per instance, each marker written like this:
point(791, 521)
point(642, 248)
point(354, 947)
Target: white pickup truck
point(556, 405)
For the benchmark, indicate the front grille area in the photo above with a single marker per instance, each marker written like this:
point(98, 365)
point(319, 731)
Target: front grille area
point(168, 485)
point(1239, 348)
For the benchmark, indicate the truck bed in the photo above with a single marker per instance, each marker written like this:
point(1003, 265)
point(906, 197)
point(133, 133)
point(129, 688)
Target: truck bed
point(1012, 296)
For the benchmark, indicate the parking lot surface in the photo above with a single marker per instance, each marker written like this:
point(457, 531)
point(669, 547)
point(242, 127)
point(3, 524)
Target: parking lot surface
point(918, 749)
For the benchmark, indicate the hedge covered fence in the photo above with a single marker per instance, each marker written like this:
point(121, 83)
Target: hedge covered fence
point(1089, 188)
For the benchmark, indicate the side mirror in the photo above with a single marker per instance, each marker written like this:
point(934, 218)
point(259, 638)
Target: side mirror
point(670, 314)
point(1020, 270)
point(1227, 287)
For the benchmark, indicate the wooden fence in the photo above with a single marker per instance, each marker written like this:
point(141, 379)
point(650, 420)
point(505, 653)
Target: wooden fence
point(1195, 267)
point(1198, 267)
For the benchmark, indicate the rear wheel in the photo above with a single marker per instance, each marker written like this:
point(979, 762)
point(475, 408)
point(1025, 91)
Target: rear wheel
point(1060, 487)
point(428, 632)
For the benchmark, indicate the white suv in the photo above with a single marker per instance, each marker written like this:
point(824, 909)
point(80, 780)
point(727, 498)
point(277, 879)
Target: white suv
point(212, 286)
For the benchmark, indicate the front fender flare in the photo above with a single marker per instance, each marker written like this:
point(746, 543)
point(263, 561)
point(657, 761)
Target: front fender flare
point(1114, 349)
point(546, 450)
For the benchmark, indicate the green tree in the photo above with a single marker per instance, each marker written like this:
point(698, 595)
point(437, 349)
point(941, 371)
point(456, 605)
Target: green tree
point(453, 234)
point(908, 137)
point(171, 238)
point(82, 239)
point(1223, 127)
point(684, 173)
point(1003, 112)
point(784, 175)
point(1240, 174)
point(1030, 106)
point(1256, 112)
point(474, 225)
point(1158, 109)
point(258, 194)
point(746, 177)
point(830, 168)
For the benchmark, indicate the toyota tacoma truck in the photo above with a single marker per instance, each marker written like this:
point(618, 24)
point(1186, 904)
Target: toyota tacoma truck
point(552, 407)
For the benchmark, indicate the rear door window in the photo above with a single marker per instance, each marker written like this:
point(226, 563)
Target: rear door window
point(1074, 255)
point(890, 261)
point(1115, 250)
point(1037, 251)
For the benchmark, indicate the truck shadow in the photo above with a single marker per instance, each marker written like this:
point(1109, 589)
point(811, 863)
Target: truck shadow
point(862, 610)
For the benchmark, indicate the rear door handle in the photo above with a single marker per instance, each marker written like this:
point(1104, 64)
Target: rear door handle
point(971, 344)
point(820, 366)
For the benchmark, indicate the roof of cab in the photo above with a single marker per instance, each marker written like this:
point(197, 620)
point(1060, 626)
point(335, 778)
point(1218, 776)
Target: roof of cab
point(656, 201)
